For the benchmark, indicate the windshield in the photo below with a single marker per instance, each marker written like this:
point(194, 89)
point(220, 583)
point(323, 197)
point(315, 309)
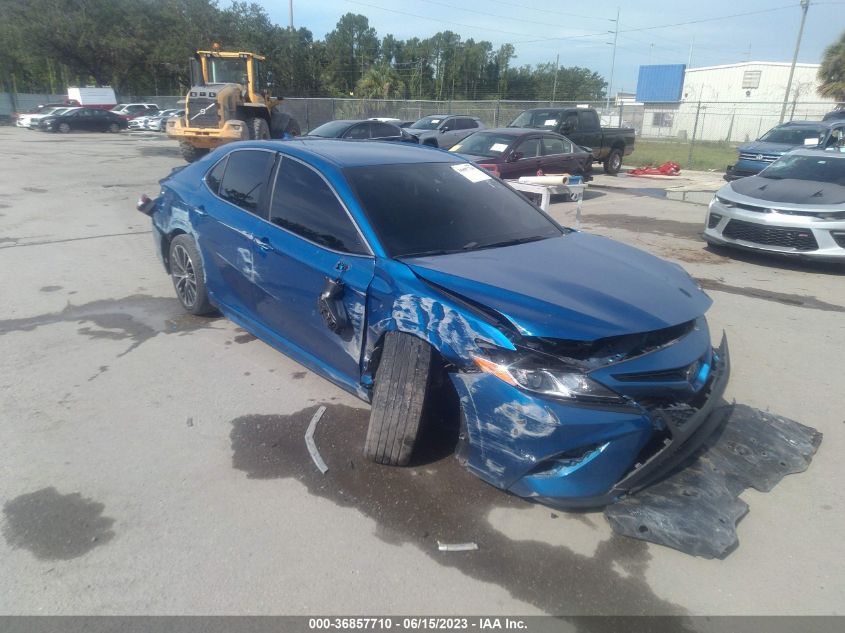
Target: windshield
point(486, 144)
point(825, 168)
point(539, 119)
point(793, 135)
point(428, 123)
point(332, 129)
point(226, 70)
point(435, 208)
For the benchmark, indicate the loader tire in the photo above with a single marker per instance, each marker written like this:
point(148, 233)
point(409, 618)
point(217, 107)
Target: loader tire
point(282, 123)
point(258, 129)
point(191, 153)
point(401, 384)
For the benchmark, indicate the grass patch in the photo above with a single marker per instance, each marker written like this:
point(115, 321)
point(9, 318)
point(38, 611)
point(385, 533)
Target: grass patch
point(705, 154)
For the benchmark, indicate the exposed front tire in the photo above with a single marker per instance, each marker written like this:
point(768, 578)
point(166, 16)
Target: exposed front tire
point(401, 384)
point(613, 162)
point(64, 128)
point(188, 275)
point(282, 123)
point(191, 153)
point(258, 129)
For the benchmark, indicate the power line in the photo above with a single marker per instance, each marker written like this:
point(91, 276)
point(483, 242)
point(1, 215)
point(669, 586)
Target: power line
point(504, 17)
point(570, 15)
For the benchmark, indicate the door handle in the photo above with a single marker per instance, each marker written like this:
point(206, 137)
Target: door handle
point(263, 243)
point(200, 209)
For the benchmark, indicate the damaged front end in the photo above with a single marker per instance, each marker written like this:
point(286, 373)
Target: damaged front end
point(580, 424)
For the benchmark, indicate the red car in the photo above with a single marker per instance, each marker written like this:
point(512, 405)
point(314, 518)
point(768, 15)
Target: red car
point(514, 152)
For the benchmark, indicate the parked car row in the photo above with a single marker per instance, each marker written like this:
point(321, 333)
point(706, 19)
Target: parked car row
point(156, 121)
point(509, 152)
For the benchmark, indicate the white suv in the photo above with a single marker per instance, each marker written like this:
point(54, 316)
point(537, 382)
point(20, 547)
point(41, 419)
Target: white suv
point(131, 110)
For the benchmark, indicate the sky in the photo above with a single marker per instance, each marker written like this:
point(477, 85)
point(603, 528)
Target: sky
point(581, 32)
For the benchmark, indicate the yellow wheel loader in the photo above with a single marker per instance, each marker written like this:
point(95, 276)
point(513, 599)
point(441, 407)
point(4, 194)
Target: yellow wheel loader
point(229, 100)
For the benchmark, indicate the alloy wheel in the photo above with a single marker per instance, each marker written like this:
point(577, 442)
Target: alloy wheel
point(184, 278)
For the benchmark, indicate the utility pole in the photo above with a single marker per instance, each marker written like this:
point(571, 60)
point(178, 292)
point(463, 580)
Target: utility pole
point(554, 85)
point(805, 4)
point(613, 59)
point(290, 15)
point(691, 46)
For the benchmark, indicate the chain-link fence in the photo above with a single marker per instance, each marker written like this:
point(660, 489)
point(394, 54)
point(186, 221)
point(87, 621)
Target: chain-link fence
point(701, 135)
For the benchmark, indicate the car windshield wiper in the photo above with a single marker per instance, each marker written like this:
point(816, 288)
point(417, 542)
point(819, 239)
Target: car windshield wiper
point(514, 241)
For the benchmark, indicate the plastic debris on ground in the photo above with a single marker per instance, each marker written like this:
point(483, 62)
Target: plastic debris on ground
point(696, 509)
point(666, 169)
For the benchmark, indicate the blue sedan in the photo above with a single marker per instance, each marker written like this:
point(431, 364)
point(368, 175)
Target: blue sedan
point(583, 368)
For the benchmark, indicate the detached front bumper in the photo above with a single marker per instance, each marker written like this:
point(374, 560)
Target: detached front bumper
point(572, 455)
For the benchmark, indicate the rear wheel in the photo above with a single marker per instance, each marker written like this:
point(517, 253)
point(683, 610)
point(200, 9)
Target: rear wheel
point(258, 129)
point(402, 381)
point(64, 128)
point(191, 153)
point(188, 276)
point(613, 162)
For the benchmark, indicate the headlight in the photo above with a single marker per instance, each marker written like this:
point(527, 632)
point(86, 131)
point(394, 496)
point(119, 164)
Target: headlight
point(558, 383)
point(724, 203)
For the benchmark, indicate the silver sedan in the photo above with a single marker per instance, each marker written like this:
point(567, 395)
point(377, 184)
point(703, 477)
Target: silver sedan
point(796, 207)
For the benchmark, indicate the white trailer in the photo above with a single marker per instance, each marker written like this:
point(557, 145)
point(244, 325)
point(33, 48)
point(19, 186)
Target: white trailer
point(92, 97)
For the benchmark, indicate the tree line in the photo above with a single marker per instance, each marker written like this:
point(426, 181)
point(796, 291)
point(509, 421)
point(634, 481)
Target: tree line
point(141, 47)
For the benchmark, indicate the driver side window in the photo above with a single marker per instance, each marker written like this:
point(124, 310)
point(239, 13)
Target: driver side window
point(362, 130)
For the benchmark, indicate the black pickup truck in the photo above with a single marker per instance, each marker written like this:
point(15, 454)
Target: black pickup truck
point(582, 126)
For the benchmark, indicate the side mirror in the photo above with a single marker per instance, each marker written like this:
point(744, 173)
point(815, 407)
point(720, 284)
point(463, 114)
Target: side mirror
point(515, 156)
point(445, 128)
point(566, 127)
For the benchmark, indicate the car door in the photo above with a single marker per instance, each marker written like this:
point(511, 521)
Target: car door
point(447, 133)
point(557, 156)
point(526, 158)
point(99, 121)
point(311, 248)
point(589, 132)
point(83, 120)
point(231, 210)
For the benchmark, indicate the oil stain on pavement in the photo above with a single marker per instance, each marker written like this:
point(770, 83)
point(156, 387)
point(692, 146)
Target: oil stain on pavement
point(54, 526)
point(136, 318)
point(640, 224)
point(437, 499)
point(800, 301)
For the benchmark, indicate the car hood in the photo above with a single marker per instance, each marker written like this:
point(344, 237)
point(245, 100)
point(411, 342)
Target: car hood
point(789, 191)
point(578, 286)
point(762, 147)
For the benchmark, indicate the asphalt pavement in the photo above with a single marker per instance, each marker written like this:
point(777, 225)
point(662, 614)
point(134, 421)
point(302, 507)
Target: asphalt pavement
point(153, 462)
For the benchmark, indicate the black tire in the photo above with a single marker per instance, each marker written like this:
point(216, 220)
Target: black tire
point(188, 276)
point(401, 385)
point(114, 128)
point(613, 162)
point(282, 123)
point(64, 128)
point(258, 129)
point(191, 153)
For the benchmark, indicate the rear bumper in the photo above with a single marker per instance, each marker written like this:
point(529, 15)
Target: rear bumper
point(579, 456)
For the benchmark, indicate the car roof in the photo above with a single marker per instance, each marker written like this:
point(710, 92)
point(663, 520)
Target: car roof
point(355, 153)
point(828, 123)
point(516, 131)
point(802, 151)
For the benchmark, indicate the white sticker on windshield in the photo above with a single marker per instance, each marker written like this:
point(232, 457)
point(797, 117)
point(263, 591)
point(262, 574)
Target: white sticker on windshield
point(433, 121)
point(471, 172)
point(550, 122)
point(498, 147)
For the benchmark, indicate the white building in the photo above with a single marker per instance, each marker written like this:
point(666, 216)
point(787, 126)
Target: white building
point(737, 102)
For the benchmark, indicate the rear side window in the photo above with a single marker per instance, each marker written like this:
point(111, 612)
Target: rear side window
point(245, 177)
point(362, 130)
point(384, 130)
point(213, 177)
point(553, 146)
point(465, 123)
point(305, 205)
point(530, 148)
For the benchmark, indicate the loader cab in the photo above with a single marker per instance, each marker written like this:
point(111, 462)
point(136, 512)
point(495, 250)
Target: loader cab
point(231, 67)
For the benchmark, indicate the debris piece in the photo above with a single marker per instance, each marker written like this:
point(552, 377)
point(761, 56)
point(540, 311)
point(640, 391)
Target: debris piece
point(309, 440)
point(696, 509)
point(457, 547)
point(190, 422)
point(666, 169)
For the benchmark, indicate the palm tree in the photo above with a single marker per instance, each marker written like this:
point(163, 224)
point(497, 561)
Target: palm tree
point(380, 82)
point(832, 71)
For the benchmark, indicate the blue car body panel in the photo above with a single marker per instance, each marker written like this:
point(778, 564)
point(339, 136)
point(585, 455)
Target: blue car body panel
point(576, 287)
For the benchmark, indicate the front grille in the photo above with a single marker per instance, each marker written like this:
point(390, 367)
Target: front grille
point(713, 220)
point(799, 239)
point(769, 158)
point(202, 112)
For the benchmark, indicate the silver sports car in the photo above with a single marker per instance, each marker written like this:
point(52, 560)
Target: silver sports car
point(796, 206)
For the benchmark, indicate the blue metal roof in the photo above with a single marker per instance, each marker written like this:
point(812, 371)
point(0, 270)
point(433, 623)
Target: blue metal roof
point(661, 83)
